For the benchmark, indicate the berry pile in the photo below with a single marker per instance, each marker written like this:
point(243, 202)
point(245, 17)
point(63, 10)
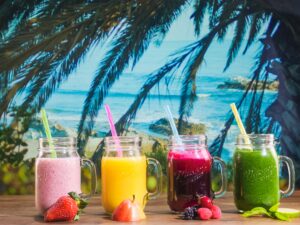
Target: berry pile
point(205, 210)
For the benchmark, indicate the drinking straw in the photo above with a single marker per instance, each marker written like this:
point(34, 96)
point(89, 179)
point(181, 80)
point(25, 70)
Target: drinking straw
point(173, 126)
point(48, 133)
point(240, 123)
point(113, 130)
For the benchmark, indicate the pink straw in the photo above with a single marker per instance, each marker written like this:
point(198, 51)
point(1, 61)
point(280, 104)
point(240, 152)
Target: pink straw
point(113, 130)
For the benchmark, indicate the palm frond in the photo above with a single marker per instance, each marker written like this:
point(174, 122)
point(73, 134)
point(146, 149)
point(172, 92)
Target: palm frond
point(227, 10)
point(14, 13)
point(261, 60)
point(129, 45)
point(257, 21)
point(240, 29)
point(44, 62)
point(200, 8)
point(168, 70)
point(188, 91)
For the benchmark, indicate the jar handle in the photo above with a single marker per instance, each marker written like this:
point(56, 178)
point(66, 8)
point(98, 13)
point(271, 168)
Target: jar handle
point(291, 172)
point(223, 171)
point(90, 165)
point(158, 176)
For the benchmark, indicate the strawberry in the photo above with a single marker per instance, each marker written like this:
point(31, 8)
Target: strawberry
point(204, 213)
point(66, 208)
point(216, 212)
point(205, 202)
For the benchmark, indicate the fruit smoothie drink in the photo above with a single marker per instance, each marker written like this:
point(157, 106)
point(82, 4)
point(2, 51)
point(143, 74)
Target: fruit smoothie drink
point(189, 172)
point(58, 171)
point(123, 177)
point(55, 177)
point(256, 179)
point(256, 172)
point(188, 176)
point(124, 173)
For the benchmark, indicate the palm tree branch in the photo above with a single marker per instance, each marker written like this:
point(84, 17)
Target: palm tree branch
point(127, 46)
point(240, 29)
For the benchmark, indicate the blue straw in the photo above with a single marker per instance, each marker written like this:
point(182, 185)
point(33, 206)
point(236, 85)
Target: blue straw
point(173, 126)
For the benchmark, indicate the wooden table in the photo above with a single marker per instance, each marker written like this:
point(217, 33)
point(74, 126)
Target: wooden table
point(20, 210)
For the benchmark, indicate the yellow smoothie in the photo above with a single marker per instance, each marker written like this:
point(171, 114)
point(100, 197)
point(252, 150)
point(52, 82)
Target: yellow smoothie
point(123, 177)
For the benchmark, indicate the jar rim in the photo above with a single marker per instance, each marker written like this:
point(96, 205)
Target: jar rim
point(123, 139)
point(255, 139)
point(203, 136)
point(58, 143)
point(123, 143)
point(58, 139)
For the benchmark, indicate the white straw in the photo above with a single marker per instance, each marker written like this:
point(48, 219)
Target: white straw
point(173, 126)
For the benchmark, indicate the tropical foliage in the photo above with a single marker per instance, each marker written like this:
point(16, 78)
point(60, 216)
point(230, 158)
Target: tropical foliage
point(42, 42)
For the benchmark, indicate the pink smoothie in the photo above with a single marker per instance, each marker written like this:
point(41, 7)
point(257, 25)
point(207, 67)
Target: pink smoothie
point(55, 177)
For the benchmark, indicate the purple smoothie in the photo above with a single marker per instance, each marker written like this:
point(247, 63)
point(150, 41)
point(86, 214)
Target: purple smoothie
point(188, 177)
point(55, 177)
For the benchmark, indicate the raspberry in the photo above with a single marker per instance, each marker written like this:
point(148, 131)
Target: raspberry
point(205, 202)
point(204, 213)
point(216, 212)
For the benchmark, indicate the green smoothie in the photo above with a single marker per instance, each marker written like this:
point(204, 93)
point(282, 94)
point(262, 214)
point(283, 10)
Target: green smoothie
point(256, 179)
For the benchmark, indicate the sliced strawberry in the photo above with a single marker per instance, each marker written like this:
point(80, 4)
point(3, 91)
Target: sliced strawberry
point(128, 211)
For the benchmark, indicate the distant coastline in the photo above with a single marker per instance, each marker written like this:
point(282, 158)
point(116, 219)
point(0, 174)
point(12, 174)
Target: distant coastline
point(242, 83)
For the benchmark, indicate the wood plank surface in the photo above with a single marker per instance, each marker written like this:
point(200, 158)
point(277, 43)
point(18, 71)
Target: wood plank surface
point(20, 210)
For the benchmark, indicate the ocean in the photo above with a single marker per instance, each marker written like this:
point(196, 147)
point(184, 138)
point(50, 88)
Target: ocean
point(211, 108)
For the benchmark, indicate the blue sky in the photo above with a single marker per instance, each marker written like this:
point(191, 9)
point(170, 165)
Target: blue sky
point(183, 28)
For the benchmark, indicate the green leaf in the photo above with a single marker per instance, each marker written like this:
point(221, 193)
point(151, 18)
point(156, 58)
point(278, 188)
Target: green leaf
point(76, 218)
point(274, 208)
point(256, 211)
point(281, 216)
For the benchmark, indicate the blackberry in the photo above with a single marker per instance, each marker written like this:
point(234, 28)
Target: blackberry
point(190, 213)
point(195, 208)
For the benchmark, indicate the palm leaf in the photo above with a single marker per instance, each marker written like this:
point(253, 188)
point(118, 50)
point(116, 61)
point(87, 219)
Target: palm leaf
point(257, 21)
point(168, 70)
point(240, 29)
point(261, 59)
point(188, 91)
point(200, 8)
point(48, 62)
point(128, 45)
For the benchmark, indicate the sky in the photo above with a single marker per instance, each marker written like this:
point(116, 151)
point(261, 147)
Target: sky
point(183, 28)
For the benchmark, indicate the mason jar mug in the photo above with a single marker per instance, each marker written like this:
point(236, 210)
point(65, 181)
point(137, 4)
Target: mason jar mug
point(58, 171)
point(189, 172)
point(256, 172)
point(124, 172)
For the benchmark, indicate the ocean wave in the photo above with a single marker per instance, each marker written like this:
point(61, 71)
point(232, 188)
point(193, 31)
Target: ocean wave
point(128, 95)
point(203, 95)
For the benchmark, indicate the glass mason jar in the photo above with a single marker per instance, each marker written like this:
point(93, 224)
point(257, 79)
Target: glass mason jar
point(256, 172)
point(189, 172)
point(124, 172)
point(58, 171)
